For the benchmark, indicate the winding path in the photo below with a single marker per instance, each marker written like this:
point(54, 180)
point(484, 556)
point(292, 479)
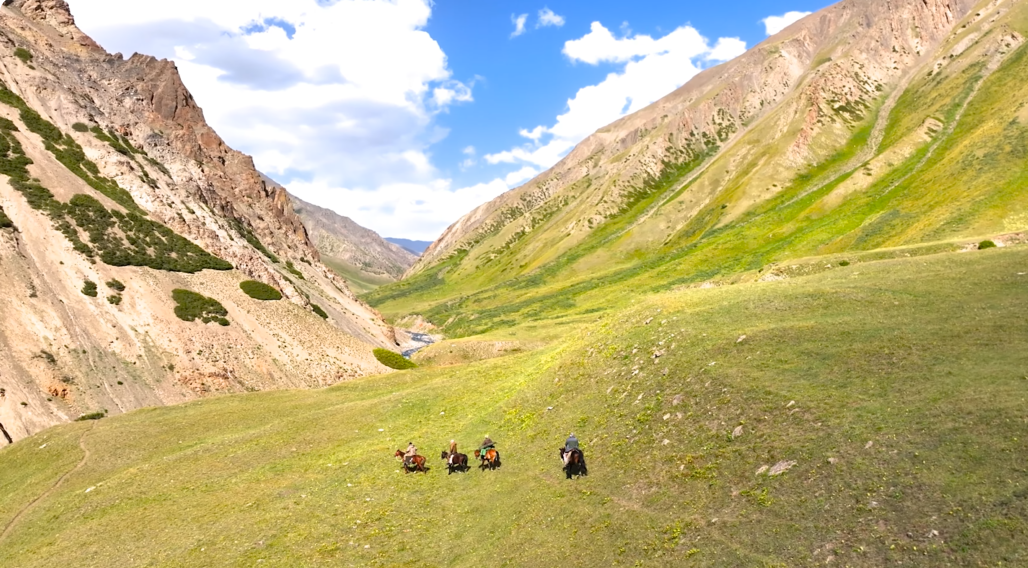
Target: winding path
point(85, 457)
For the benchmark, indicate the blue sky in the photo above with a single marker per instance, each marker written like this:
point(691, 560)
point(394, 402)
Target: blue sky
point(406, 114)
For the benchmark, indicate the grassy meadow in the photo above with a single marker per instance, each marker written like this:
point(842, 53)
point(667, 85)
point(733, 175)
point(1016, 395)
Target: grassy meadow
point(892, 392)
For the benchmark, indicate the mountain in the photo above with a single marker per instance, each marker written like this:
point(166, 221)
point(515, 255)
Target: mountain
point(357, 254)
point(115, 193)
point(868, 125)
point(415, 247)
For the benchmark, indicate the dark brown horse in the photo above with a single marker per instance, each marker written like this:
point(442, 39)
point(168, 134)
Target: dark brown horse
point(575, 464)
point(458, 462)
point(490, 459)
point(417, 463)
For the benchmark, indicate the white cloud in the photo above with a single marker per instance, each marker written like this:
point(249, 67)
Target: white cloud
point(548, 18)
point(519, 24)
point(775, 24)
point(534, 134)
point(526, 173)
point(652, 68)
point(726, 49)
point(470, 150)
point(300, 86)
point(410, 210)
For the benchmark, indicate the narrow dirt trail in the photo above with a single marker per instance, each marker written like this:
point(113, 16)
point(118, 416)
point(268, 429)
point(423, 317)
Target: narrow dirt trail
point(85, 458)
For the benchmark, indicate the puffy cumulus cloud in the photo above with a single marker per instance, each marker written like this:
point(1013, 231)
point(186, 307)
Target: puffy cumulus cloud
point(519, 24)
point(299, 85)
point(652, 68)
point(775, 24)
point(548, 18)
point(410, 210)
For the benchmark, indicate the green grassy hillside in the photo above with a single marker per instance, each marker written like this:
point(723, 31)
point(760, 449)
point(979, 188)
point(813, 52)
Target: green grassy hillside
point(897, 387)
point(948, 166)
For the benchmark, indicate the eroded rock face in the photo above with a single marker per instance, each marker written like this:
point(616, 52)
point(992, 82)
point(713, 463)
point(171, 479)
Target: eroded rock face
point(64, 353)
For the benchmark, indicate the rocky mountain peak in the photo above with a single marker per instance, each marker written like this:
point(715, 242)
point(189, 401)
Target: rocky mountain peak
point(56, 14)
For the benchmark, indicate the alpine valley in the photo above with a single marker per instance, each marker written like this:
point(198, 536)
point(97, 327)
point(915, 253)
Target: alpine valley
point(783, 308)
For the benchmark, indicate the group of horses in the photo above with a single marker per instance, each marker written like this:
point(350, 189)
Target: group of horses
point(490, 459)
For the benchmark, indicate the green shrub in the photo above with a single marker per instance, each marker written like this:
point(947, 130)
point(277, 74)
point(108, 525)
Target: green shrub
point(115, 285)
point(48, 357)
point(192, 306)
point(80, 127)
point(292, 270)
point(393, 360)
point(844, 263)
point(92, 416)
point(23, 54)
point(89, 289)
point(252, 239)
point(986, 245)
point(119, 239)
point(114, 300)
point(260, 291)
point(317, 309)
point(5, 221)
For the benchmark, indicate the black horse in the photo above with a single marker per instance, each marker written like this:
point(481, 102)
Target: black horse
point(458, 463)
point(575, 464)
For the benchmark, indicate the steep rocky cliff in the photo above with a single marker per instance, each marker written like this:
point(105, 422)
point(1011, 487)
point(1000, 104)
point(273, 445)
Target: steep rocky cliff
point(114, 193)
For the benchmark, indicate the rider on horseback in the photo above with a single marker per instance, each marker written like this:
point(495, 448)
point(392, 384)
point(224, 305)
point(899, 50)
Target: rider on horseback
point(570, 446)
point(488, 444)
point(412, 451)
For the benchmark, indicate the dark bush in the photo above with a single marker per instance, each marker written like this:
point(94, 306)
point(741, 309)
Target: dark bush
point(317, 309)
point(89, 289)
point(986, 245)
point(115, 285)
point(48, 357)
point(80, 127)
point(393, 360)
point(92, 416)
point(844, 263)
point(114, 300)
point(192, 306)
point(260, 291)
point(23, 54)
point(5, 221)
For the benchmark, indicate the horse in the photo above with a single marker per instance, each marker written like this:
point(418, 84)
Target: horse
point(417, 463)
point(458, 462)
point(490, 459)
point(575, 464)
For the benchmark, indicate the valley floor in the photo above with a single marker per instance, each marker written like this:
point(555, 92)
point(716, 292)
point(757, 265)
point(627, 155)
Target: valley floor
point(889, 394)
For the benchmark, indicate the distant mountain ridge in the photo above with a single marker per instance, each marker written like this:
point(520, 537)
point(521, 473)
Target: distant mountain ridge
point(359, 255)
point(414, 247)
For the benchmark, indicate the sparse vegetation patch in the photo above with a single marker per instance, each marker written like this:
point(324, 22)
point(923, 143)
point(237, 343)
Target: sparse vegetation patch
point(118, 239)
point(260, 291)
point(192, 306)
point(89, 289)
point(5, 221)
point(116, 285)
point(317, 309)
point(393, 360)
point(23, 54)
point(986, 245)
